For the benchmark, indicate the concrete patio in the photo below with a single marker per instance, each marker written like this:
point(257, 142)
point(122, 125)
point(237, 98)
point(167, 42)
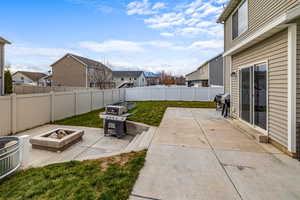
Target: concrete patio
point(195, 155)
point(93, 145)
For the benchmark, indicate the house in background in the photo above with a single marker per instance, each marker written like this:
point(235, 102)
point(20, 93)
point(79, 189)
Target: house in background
point(262, 67)
point(129, 79)
point(152, 78)
point(209, 74)
point(76, 71)
point(29, 78)
point(3, 42)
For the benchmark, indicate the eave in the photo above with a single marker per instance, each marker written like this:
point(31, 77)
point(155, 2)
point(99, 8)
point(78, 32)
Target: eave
point(228, 10)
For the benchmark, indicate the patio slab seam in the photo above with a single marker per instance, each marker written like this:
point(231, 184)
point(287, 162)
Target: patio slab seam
point(218, 159)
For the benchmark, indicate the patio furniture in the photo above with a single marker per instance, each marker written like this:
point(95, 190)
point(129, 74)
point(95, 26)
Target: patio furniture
point(10, 155)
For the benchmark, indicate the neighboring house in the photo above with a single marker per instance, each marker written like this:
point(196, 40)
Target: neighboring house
point(29, 78)
point(262, 66)
point(152, 78)
point(208, 74)
point(76, 71)
point(3, 42)
point(129, 79)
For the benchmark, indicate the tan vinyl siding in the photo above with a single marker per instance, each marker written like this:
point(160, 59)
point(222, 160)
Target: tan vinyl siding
point(274, 50)
point(200, 74)
point(69, 72)
point(298, 71)
point(261, 12)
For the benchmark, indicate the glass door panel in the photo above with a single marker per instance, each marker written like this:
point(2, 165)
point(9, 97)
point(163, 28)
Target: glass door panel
point(246, 94)
point(260, 96)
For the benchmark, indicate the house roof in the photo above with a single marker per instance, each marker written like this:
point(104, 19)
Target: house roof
point(151, 75)
point(133, 74)
point(205, 63)
point(228, 10)
point(86, 61)
point(2, 40)
point(35, 76)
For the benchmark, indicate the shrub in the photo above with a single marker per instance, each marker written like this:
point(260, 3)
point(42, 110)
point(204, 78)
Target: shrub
point(7, 82)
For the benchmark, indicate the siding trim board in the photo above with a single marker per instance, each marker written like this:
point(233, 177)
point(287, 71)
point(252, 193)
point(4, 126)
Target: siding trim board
point(292, 78)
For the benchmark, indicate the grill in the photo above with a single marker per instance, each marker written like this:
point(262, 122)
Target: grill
point(10, 159)
point(114, 120)
point(223, 102)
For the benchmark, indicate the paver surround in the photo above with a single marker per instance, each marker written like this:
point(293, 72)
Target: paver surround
point(45, 142)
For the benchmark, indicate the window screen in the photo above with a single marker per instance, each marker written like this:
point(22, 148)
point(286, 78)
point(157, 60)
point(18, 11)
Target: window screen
point(240, 20)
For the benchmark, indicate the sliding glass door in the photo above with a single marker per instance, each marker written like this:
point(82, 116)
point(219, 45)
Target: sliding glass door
point(260, 96)
point(253, 95)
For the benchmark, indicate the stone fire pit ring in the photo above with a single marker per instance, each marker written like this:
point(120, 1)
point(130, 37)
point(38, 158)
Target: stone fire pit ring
point(45, 141)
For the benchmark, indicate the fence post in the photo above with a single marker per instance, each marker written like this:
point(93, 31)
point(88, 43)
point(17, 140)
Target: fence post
point(75, 102)
point(14, 113)
point(52, 106)
point(91, 108)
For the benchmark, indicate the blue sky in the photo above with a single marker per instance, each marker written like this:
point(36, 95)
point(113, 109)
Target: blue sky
point(152, 35)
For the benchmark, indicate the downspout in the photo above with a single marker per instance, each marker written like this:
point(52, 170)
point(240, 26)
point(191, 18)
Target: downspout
point(292, 78)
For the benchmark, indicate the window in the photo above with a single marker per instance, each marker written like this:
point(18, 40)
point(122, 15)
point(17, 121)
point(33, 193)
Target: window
point(122, 79)
point(240, 20)
point(135, 79)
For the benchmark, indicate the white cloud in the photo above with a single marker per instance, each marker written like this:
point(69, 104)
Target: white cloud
point(208, 44)
point(16, 50)
point(144, 7)
point(112, 45)
point(166, 20)
point(158, 5)
point(193, 19)
point(161, 44)
point(166, 34)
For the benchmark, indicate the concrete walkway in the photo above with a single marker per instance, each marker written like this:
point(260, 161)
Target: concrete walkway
point(197, 155)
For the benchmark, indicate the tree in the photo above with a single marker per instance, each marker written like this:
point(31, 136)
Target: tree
point(8, 87)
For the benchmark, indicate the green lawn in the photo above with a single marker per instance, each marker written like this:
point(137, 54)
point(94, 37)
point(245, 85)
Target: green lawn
point(104, 179)
point(90, 119)
point(149, 112)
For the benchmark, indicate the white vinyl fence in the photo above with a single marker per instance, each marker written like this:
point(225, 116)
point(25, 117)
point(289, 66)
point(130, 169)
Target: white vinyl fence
point(173, 93)
point(21, 112)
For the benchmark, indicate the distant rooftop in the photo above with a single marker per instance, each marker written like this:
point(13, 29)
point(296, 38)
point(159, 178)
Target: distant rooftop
point(151, 75)
point(2, 40)
point(35, 76)
point(133, 74)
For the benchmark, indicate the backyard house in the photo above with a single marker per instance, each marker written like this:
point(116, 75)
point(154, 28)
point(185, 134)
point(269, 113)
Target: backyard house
point(152, 78)
point(3, 42)
point(129, 79)
point(76, 71)
point(208, 74)
point(29, 78)
point(261, 58)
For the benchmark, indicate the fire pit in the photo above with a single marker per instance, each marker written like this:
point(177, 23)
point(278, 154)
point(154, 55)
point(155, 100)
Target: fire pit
point(56, 140)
